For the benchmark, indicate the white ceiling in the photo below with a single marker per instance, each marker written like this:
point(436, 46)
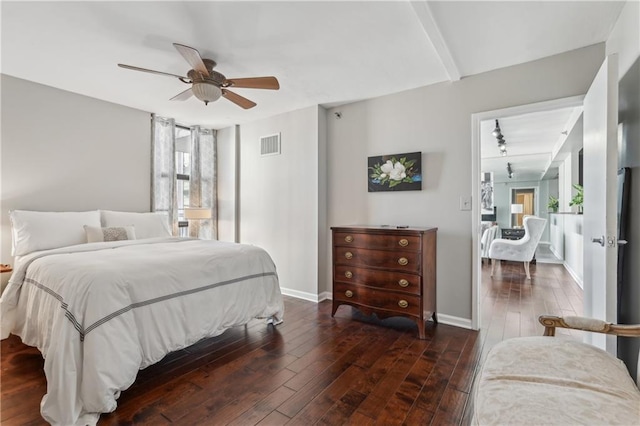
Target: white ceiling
point(326, 53)
point(534, 142)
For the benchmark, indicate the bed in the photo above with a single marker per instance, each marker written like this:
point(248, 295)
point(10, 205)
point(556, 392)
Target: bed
point(100, 311)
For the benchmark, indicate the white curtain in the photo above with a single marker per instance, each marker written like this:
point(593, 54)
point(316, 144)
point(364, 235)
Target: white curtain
point(202, 181)
point(163, 169)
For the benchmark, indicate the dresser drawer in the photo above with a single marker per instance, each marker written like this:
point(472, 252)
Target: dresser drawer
point(397, 260)
point(398, 281)
point(372, 241)
point(403, 304)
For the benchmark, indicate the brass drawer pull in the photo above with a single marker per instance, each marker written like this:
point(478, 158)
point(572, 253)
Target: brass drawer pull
point(403, 242)
point(348, 274)
point(348, 255)
point(348, 293)
point(403, 283)
point(402, 261)
point(403, 303)
point(348, 239)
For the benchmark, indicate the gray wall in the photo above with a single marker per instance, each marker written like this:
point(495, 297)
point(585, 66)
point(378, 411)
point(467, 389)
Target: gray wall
point(437, 121)
point(64, 152)
point(280, 197)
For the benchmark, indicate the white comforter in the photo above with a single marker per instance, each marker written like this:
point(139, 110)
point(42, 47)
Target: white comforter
point(100, 312)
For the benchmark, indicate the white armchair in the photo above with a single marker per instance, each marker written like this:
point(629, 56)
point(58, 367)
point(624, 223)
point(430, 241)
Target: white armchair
point(521, 250)
point(488, 235)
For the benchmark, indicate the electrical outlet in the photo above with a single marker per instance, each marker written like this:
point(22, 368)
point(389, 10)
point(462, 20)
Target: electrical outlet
point(465, 203)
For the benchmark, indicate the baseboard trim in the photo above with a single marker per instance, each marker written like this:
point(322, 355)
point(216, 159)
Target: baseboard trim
point(301, 295)
point(573, 274)
point(555, 253)
point(325, 295)
point(454, 321)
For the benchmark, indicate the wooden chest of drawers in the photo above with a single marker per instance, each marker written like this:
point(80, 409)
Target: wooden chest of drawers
point(386, 271)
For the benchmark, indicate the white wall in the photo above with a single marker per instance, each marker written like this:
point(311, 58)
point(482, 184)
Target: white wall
point(436, 120)
point(63, 151)
point(227, 184)
point(568, 171)
point(573, 245)
point(280, 195)
point(625, 37)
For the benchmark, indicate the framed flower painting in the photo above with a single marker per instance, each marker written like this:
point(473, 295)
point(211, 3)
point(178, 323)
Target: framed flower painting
point(397, 172)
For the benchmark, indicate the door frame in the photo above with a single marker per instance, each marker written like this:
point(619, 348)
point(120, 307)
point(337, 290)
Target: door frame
point(536, 191)
point(476, 119)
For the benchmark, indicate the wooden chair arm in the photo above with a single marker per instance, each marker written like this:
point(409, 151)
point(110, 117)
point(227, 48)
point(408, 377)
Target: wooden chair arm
point(551, 322)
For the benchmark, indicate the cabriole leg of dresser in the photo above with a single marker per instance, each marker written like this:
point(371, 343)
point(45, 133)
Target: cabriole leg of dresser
point(421, 326)
point(335, 307)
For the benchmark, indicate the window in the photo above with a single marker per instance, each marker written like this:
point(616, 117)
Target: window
point(184, 176)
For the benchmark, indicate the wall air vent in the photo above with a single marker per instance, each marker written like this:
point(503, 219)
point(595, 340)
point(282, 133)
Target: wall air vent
point(270, 145)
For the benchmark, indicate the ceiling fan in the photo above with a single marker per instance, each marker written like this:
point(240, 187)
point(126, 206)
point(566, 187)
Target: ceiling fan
point(208, 85)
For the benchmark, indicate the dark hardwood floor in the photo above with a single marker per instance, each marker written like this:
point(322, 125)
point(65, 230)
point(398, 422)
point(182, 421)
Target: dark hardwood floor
point(314, 369)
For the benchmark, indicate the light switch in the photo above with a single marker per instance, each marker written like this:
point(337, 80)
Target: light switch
point(465, 203)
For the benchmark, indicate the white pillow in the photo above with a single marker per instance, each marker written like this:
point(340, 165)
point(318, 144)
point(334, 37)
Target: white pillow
point(33, 231)
point(96, 234)
point(148, 225)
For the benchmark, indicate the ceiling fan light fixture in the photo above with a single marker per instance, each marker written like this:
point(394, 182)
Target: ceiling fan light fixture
point(206, 92)
point(208, 85)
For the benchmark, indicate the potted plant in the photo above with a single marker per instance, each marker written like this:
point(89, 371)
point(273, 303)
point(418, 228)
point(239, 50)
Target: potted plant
point(578, 199)
point(553, 204)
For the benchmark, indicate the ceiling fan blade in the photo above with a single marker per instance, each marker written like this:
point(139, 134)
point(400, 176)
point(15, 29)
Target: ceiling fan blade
point(193, 58)
point(183, 96)
point(270, 83)
point(237, 99)
point(130, 67)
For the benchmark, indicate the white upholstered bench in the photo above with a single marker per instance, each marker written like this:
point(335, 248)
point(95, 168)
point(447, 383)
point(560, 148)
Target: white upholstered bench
point(554, 381)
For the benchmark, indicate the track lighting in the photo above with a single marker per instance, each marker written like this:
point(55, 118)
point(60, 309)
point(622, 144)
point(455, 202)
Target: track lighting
point(496, 132)
point(502, 144)
point(509, 171)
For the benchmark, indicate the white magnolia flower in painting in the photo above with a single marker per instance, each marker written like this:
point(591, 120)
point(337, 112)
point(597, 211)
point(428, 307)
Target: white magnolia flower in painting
point(386, 168)
point(395, 171)
point(398, 172)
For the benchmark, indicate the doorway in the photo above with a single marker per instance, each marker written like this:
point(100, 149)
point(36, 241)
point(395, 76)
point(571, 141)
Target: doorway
point(507, 176)
point(523, 202)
